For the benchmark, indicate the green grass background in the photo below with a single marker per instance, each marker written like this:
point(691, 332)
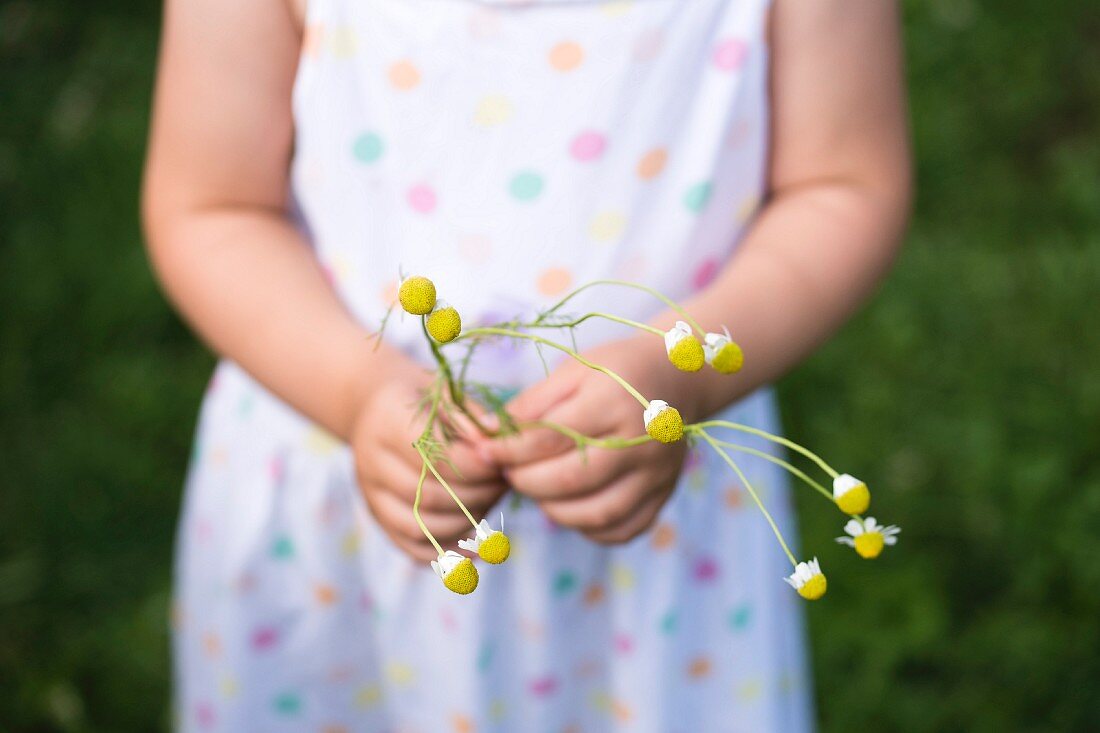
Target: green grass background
point(968, 392)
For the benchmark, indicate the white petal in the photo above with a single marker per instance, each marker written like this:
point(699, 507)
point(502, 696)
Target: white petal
point(846, 541)
point(844, 483)
point(656, 407)
point(853, 527)
point(470, 544)
point(890, 540)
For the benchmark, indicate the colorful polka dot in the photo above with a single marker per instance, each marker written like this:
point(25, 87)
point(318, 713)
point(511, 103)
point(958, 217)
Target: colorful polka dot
point(555, 281)
point(421, 198)
point(739, 617)
point(526, 186)
point(564, 583)
point(652, 163)
point(495, 109)
point(699, 667)
point(343, 42)
point(669, 623)
point(543, 686)
point(607, 226)
point(697, 196)
point(664, 536)
point(566, 56)
point(594, 594)
point(400, 674)
point(461, 724)
point(587, 146)
point(730, 54)
point(705, 273)
point(404, 75)
point(367, 148)
point(368, 696)
point(705, 569)
point(615, 8)
point(264, 638)
point(325, 594)
point(288, 704)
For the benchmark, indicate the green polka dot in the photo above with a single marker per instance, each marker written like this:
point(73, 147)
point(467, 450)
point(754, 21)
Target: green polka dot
point(668, 623)
point(367, 148)
point(564, 582)
point(282, 549)
point(288, 703)
point(697, 196)
point(526, 186)
point(484, 657)
point(739, 617)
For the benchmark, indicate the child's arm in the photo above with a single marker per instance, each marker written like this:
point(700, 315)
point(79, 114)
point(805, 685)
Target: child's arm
point(839, 197)
point(215, 210)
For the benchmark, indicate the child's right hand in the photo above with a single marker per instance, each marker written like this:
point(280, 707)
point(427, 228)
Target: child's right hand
point(388, 468)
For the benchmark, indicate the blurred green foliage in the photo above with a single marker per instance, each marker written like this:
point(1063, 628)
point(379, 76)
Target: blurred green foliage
point(968, 392)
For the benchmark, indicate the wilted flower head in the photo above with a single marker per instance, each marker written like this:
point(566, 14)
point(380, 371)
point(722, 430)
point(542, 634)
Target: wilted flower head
point(492, 546)
point(869, 537)
point(723, 355)
point(457, 572)
point(808, 580)
point(684, 350)
point(663, 422)
point(851, 494)
point(444, 323)
point(417, 295)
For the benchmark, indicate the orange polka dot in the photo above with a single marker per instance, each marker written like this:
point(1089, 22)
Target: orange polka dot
point(733, 498)
point(652, 163)
point(554, 281)
point(403, 75)
point(212, 644)
point(593, 594)
point(326, 595)
point(461, 724)
point(621, 711)
point(664, 536)
point(566, 56)
point(699, 667)
point(334, 729)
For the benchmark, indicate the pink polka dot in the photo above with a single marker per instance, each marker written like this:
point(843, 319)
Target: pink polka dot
point(205, 716)
point(624, 643)
point(543, 686)
point(705, 570)
point(730, 54)
point(588, 146)
point(422, 198)
point(705, 273)
point(264, 638)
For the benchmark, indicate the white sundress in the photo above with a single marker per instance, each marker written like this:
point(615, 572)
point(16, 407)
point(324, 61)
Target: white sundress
point(509, 151)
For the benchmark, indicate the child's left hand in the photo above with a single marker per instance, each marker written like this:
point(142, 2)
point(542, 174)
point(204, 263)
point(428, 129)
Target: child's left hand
point(610, 495)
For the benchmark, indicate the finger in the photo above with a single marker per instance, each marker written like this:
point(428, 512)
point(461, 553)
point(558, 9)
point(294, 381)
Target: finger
point(467, 463)
point(533, 402)
point(634, 524)
point(538, 444)
point(397, 477)
point(395, 514)
point(573, 474)
point(603, 510)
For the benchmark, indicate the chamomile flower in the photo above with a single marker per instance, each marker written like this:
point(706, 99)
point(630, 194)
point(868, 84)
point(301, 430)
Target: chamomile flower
point(808, 580)
point(444, 323)
point(417, 295)
point(457, 572)
point(869, 537)
point(663, 422)
point(723, 355)
point(684, 350)
point(492, 546)
point(851, 494)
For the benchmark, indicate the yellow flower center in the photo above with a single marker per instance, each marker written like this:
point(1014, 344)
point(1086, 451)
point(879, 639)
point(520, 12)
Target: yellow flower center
point(667, 426)
point(855, 500)
point(463, 578)
point(869, 545)
point(417, 295)
point(813, 588)
point(444, 324)
point(687, 355)
point(729, 360)
point(495, 548)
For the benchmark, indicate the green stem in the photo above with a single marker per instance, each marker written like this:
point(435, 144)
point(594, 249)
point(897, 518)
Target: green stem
point(454, 387)
point(612, 443)
point(780, 462)
point(596, 314)
point(774, 438)
point(489, 331)
point(627, 284)
point(431, 467)
point(752, 492)
point(416, 510)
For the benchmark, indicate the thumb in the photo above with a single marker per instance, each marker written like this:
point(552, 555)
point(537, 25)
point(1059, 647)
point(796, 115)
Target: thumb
point(535, 401)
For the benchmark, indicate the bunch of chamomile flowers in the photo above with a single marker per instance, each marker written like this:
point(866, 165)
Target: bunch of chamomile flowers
point(689, 348)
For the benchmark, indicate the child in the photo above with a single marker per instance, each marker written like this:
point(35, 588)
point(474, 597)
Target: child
point(745, 157)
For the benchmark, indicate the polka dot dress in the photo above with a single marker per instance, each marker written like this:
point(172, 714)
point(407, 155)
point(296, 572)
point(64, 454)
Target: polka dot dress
point(509, 150)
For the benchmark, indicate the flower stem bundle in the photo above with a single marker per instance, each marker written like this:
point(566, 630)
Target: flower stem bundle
point(689, 348)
